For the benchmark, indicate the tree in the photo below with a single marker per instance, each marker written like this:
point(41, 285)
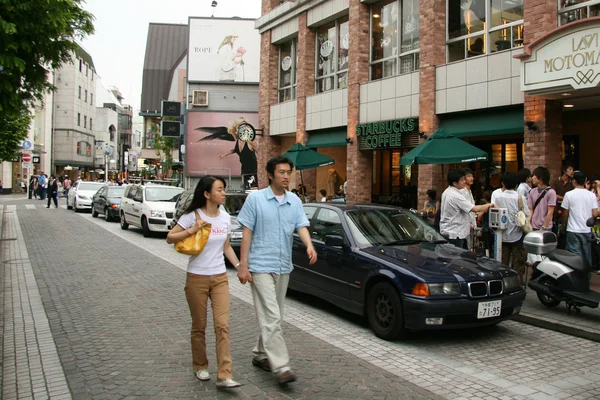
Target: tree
point(35, 36)
point(13, 129)
point(166, 145)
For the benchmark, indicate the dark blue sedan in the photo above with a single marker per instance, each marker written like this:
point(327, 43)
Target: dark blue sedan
point(389, 265)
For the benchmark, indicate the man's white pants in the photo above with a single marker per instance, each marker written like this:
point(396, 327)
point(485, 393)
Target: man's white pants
point(268, 293)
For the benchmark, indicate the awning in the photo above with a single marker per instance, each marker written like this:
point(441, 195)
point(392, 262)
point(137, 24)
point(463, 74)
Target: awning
point(332, 138)
point(485, 123)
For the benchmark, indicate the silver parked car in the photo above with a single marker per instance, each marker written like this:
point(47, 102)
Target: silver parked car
point(81, 193)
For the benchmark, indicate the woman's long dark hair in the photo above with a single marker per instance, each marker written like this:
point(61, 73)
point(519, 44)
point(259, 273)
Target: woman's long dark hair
point(205, 185)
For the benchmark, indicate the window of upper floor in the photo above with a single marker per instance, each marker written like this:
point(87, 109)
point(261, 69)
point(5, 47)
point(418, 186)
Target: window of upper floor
point(332, 57)
point(573, 10)
point(84, 149)
point(477, 27)
point(92, 98)
point(80, 65)
point(79, 92)
point(91, 124)
point(85, 121)
point(288, 59)
point(78, 119)
point(85, 98)
point(87, 69)
point(395, 38)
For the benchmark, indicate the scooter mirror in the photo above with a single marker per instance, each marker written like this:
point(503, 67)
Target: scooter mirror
point(590, 222)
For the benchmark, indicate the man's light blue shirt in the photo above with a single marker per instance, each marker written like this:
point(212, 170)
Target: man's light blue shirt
point(272, 225)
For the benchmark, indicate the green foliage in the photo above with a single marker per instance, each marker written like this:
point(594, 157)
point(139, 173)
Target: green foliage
point(36, 36)
point(12, 130)
point(166, 145)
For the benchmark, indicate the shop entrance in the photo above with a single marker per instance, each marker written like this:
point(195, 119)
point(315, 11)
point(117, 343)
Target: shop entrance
point(393, 183)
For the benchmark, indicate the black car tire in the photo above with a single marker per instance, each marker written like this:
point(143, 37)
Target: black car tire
point(94, 212)
point(107, 217)
point(546, 300)
point(145, 228)
point(124, 224)
point(384, 312)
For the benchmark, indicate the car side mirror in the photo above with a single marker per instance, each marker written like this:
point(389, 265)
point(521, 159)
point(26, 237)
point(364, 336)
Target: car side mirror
point(334, 241)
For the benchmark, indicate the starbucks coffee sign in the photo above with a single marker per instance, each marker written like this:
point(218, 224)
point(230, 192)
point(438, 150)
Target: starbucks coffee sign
point(567, 59)
point(385, 134)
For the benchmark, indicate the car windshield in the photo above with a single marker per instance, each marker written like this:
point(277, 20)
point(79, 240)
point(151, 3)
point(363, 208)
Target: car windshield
point(90, 186)
point(375, 227)
point(163, 194)
point(116, 191)
point(233, 204)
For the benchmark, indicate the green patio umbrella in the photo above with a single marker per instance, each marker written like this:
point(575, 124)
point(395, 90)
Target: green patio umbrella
point(305, 158)
point(443, 148)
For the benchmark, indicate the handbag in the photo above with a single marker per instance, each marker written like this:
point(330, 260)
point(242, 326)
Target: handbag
point(521, 218)
point(194, 244)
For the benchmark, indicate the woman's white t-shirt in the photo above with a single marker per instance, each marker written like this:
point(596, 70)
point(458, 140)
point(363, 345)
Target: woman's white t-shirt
point(211, 260)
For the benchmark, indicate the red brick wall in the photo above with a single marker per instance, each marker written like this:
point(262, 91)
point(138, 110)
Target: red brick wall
point(544, 146)
point(268, 5)
point(359, 164)
point(267, 147)
point(432, 53)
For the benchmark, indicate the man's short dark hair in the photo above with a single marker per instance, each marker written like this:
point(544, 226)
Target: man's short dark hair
point(432, 193)
point(275, 161)
point(323, 192)
point(468, 171)
point(523, 175)
point(510, 180)
point(566, 166)
point(543, 174)
point(455, 175)
point(580, 178)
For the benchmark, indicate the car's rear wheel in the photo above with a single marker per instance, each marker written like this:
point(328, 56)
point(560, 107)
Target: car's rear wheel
point(124, 224)
point(94, 212)
point(107, 217)
point(546, 300)
point(145, 228)
point(384, 312)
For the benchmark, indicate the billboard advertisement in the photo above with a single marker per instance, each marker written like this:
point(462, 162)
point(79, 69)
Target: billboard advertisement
point(223, 50)
point(213, 146)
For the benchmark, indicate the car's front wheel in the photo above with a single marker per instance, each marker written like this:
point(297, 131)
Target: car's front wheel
point(107, 217)
point(145, 228)
point(384, 312)
point(124, 224)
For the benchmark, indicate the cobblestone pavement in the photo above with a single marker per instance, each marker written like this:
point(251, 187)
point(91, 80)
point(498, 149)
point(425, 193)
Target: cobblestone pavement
point(120, 325)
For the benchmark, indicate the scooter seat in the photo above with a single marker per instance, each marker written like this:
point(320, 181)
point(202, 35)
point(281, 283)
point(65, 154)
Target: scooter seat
point(574, 261)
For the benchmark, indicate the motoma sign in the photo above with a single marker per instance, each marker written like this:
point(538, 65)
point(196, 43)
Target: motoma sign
point(568, 57)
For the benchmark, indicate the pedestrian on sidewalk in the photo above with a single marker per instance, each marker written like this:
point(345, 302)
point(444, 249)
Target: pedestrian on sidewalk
point(207, 276)
point(455, 217)
point(542, 200)
point(42, 185)
point(469, 180)
point(579, 205)
point(52, 191)
point(512, 237)
point(269, 218)
point(33, 187)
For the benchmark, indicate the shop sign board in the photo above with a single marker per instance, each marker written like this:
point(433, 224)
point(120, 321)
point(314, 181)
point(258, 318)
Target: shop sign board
point(384, 134)
point(223, 50)
point(570, 58)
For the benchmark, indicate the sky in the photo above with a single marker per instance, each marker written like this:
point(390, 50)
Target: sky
point(119, 44)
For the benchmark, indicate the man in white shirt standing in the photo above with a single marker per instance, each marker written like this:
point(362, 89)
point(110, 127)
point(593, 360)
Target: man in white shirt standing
point(512, 246)
point(469, 180)
point(455, 220)
point(580, 205)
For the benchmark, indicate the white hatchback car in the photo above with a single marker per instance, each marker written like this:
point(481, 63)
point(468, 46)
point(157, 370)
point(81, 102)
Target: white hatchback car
point(81, 193)
point(150, 207)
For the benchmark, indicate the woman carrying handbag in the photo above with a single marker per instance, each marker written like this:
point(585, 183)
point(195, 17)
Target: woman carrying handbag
point(207, 276)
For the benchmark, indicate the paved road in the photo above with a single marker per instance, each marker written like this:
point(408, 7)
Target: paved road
point(116, 311)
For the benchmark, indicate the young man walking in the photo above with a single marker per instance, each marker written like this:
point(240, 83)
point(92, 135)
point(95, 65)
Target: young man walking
point(469, 180)
point(455, 219)
point(579, 205)
point(269, 218)
point(542, 200)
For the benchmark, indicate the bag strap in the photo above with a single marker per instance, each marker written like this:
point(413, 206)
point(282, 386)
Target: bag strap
point(521, 206)
point(540, 199)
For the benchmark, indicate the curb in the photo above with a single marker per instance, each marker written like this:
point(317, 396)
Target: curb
point(557, 326)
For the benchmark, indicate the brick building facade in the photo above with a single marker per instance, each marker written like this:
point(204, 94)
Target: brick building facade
point(365, 81)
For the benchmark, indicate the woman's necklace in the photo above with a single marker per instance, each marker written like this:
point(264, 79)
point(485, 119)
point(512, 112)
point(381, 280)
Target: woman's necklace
point(205, 211)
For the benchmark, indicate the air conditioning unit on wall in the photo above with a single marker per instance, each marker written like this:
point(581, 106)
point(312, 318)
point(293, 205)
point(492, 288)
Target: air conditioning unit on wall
point(200, 98)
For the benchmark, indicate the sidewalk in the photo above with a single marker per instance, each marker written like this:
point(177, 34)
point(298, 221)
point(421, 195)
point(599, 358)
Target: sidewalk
point(585, 325)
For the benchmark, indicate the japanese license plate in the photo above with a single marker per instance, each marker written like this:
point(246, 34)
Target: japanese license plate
point(489, 309)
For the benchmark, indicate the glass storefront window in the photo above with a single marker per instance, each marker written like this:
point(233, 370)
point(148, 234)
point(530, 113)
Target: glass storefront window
point(333, 43)
point(470, 34)
point(395, 38)
point(288, 59)
point(574, 10)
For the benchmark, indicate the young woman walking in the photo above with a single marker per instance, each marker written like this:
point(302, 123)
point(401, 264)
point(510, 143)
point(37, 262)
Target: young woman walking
point(207, 276)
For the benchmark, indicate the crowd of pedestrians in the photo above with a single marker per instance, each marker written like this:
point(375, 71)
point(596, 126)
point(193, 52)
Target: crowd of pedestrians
point(562, 205)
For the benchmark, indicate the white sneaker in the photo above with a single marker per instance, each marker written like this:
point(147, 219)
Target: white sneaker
point(227, 384)
point(203, 375)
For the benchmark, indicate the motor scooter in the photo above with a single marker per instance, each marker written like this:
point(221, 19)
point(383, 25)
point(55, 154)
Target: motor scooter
point(561, 275)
